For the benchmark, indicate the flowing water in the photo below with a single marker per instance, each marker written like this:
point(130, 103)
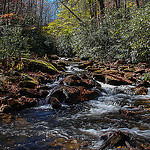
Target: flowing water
point(77, 126)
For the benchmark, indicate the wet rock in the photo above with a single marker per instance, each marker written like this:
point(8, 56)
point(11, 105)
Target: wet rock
point(117, 80)
point(26, 102)
point(44, 93)
point(55, 103)
point(99, 77)
point(74, 94)
point(141, 91)
point(112, 80)
point(11, 101)
point(145, 84)
point(43, 79)
point(33, 93)
point(5, 108)
point(74, 80)
point(68, 144)
point(53, 57)
point(119, 138)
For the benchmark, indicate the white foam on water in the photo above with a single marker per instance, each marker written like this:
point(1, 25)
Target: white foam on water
point(47, 106)
point(105, 85)
point(94, 132)
point(148, 93)
point(137, 132)
point(99, 108)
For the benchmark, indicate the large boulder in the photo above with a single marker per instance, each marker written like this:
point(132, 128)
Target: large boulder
point(73, 94)
point(117, 80)
point(74, 80)
point(28, 84)
point(40, 65)
point(18, 104)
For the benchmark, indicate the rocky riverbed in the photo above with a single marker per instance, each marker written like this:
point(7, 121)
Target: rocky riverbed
point(73, 82)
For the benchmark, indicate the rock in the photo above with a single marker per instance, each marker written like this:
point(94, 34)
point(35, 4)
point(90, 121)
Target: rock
point(74, 94)
point(43, 79)
point(53, 57)
point(67, 144)
point(119, 138)
point(129, 70)
point(141, 91)
point(124, 80)
point(85, 58)
point(146, 84)
point(2, 90)
point(40, 65)
point(112, 80)
point(141, 71)
point(55, 103)
point(84, 65)
point(74, 80)
point(26, 102)
point(117, 80)
point(84, 76)
point(91, 68)
point(44, 93)
point(33, 93)
point(5, 108)
point(28, 84)
point(99, 77)
point(11, 101)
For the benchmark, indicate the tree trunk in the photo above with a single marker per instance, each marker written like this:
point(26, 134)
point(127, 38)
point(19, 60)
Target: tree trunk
point(137, 3)
point(102, 7)
point(116, 2)
point(4, 7)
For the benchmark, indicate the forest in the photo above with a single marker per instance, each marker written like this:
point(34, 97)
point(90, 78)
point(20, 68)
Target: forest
point(107, 30)
point(74, 74)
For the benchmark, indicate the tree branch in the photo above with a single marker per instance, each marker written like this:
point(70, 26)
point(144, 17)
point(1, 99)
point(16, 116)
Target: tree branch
point(71, 11)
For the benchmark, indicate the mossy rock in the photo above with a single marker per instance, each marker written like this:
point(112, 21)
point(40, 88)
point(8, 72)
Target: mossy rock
point(40, 65)
point(28, 84)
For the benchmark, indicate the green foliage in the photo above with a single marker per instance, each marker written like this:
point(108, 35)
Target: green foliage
point(133, 35)
point(12, 43)
point(64, 27)
point(146, 76)
point(39, 42)
point(121, 34)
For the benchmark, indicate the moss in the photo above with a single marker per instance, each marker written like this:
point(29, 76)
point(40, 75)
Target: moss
point(28, 84)
point(41, 65)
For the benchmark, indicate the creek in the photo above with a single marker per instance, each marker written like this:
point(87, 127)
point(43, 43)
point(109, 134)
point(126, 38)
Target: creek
point(80, 125)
